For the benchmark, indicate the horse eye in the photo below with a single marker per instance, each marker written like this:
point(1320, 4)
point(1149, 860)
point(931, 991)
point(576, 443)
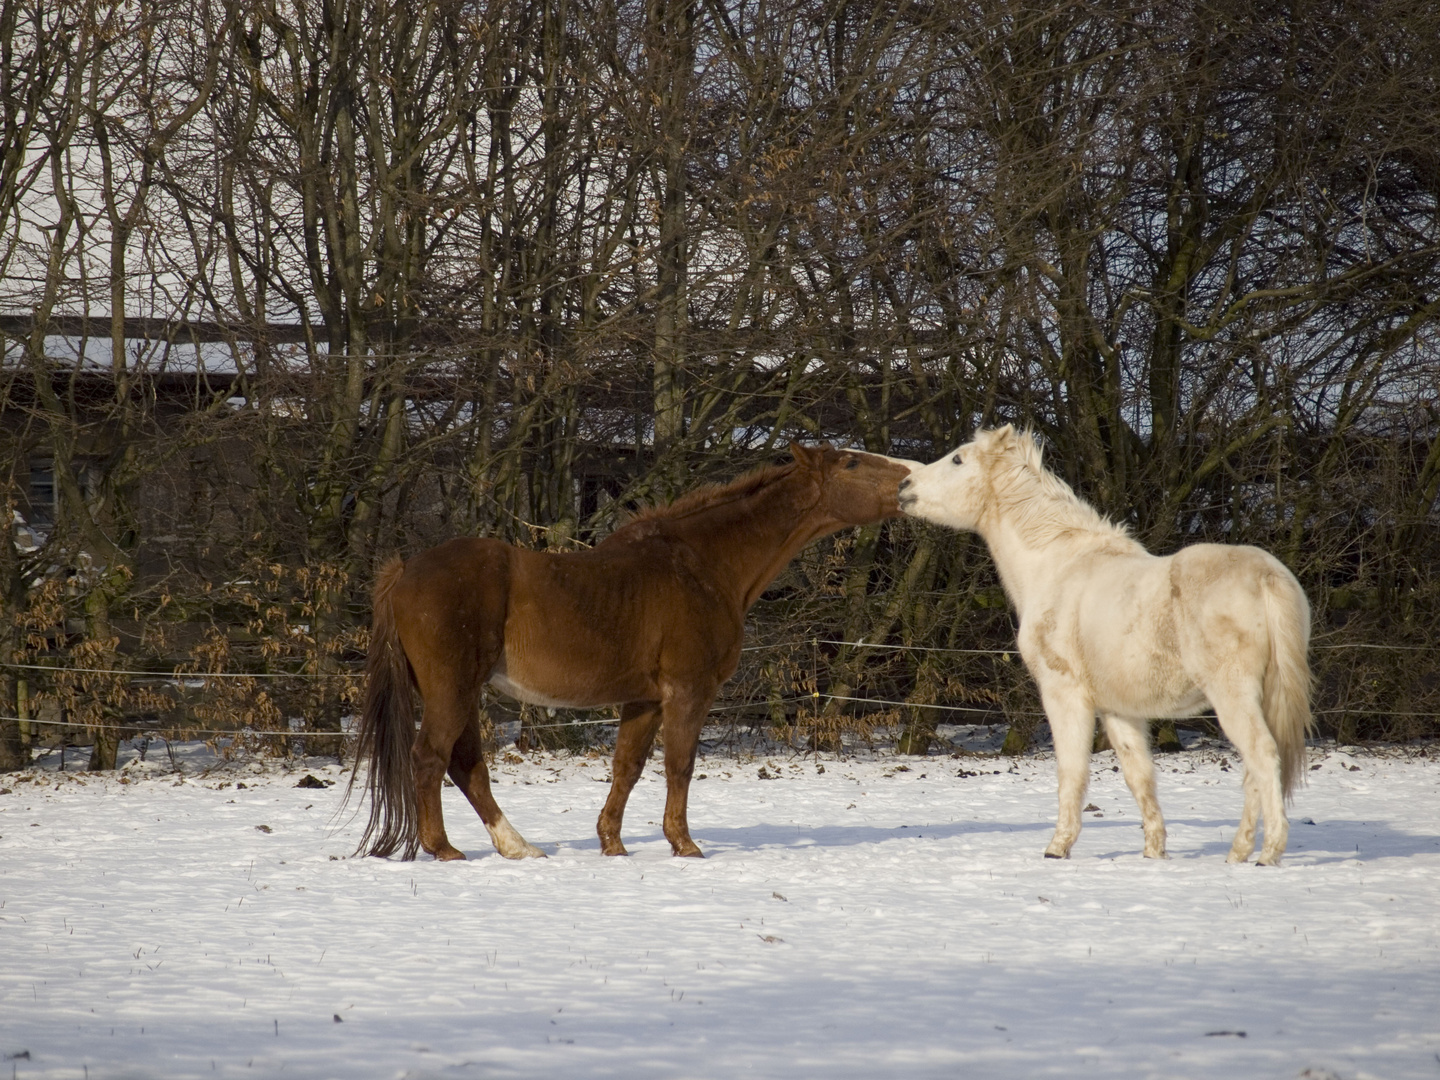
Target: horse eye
point(852, 463)
point(955, 460)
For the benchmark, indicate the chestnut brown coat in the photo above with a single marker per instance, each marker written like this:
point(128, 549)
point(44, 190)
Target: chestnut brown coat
point(651, 619)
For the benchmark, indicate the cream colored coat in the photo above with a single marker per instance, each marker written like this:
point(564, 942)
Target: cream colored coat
point(1107, 628)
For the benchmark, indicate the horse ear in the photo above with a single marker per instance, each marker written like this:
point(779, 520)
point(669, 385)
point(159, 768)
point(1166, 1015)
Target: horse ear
point(809, 456)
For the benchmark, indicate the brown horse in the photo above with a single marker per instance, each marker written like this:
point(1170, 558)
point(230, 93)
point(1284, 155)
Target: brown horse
point(650, 619)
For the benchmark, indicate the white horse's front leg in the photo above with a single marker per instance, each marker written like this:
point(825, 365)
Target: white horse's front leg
point(1131, 740)
point(1072, 725)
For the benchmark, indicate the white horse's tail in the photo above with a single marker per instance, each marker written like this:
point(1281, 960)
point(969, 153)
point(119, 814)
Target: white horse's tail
point(1287, 685)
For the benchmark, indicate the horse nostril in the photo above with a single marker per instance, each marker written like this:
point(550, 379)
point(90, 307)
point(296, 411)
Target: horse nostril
point(904, 483)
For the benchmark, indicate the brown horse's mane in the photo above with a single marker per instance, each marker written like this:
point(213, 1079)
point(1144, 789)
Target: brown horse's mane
point(709, 495)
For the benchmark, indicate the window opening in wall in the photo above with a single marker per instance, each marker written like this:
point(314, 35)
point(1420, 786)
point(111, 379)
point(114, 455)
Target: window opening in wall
point(41, 518)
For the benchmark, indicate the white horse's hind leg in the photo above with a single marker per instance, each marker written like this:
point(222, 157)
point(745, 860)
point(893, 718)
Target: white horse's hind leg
point(1272, 802)
point(1244, 842)
point(1131, 740)
point(1072, 725)
point(1244, 725)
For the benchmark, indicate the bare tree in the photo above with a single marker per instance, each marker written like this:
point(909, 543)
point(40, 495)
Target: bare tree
point(291, 286)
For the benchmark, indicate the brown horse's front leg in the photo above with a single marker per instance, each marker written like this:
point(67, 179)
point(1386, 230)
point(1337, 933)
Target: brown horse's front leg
point(682, 740)
point(639, 721)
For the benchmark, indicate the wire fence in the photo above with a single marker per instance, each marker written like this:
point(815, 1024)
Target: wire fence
point(997, 712)
point(187, 673)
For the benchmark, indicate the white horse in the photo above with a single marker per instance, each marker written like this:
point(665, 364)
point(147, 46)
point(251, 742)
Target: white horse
point(1108, 628)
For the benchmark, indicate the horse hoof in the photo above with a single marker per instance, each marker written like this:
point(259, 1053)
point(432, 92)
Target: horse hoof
point(613, 848)
point(689, 852)
point(449, 855)
point(1052, 855)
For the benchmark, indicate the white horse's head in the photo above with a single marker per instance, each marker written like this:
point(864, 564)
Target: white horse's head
point(957, 489)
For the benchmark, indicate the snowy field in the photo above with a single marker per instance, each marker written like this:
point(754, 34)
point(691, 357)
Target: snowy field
point(863, 917)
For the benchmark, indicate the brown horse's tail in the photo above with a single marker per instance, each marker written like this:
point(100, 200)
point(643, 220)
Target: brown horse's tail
point(1285, 694)
point(387, 731)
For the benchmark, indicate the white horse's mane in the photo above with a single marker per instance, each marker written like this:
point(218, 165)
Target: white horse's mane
point(1041, 505)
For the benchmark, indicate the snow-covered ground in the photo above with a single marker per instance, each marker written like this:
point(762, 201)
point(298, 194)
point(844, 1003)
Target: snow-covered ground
point(864, 917)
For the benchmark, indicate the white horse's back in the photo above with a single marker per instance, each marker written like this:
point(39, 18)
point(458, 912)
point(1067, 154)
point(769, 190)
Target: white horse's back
point(1107, 628)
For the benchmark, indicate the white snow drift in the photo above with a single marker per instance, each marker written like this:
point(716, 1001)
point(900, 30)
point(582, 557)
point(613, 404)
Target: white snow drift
point(882, 917)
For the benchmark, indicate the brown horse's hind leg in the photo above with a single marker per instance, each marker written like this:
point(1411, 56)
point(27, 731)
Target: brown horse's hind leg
point(449, 610)
point(639, 721)
point(467, 769)
point(444, 723)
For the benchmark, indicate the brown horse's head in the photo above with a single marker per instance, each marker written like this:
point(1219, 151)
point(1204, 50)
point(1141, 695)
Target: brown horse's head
point(854, 488)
